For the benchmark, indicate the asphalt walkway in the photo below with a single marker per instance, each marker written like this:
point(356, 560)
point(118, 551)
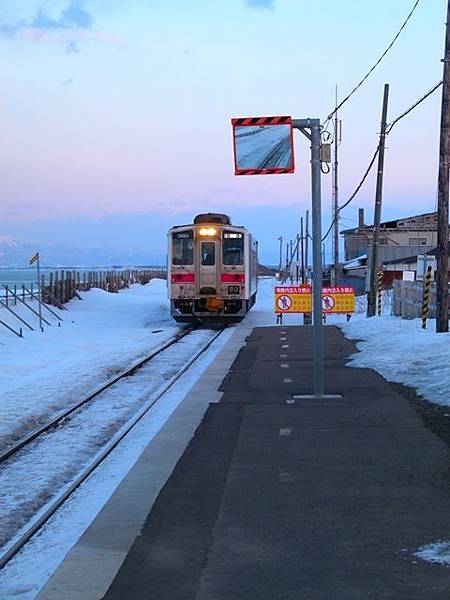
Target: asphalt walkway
point(276, 499)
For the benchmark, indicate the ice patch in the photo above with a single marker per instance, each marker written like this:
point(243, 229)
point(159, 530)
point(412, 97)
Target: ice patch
point(435, 553)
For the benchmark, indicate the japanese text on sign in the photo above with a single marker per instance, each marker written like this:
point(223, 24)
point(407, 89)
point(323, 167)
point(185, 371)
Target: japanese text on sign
point(298, 299)
point(337, 300)
point(293, 299)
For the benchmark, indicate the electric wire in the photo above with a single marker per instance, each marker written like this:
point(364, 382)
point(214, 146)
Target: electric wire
point(412, 107)
point(359, 186)
point(388, 130)
point(330, 116)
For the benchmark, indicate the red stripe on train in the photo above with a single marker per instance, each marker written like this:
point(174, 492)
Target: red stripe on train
point(183, 277)
point(232, 278)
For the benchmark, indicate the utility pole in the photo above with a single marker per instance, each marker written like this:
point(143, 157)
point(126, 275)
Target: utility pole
point(306, 243)
point(335, 197)
point(302, 254)
point(280, 239)
point(442, 224)
point(371, 296)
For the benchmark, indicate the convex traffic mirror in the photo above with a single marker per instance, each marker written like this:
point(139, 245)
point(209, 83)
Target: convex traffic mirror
point(263, 145)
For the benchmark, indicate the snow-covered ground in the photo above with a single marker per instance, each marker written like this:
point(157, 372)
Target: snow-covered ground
point(101, 335)
point(403, 352)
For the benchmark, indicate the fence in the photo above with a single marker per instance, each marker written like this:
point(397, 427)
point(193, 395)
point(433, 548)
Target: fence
point(12, 294)
point(61, 286)
point(408, 296)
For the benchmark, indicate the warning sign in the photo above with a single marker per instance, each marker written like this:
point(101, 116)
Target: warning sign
point(328, 303)
point(284, 302)
point(298, 299)
point(293, 299)
point(338, 300)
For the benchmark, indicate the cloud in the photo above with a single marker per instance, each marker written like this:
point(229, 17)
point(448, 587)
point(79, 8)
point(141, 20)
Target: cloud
point(73, 17)
point(260, 4)
point(73, 24)
point(76, 16)
point(72, 47)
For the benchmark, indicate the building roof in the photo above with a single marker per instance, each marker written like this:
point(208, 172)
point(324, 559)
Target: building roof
point(356, 263)
point(410, 259)
point(386, 224)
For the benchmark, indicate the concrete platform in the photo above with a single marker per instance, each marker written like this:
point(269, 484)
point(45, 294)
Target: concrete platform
point(275, 499)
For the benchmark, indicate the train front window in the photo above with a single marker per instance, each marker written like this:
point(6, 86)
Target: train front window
point(208, 250)
point(183, 248)
point(233, 248)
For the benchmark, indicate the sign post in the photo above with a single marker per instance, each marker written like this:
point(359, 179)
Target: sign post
point(35, 259)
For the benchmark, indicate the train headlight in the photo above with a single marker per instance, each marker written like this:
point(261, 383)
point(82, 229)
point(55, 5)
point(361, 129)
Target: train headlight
point(209, 231)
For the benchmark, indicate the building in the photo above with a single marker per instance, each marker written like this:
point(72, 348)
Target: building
point(400, 238)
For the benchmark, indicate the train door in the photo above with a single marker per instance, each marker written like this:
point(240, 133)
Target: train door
point(208, 267)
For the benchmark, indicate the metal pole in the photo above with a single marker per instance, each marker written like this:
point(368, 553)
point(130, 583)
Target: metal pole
point(371, 296)
point(318, 371)
point(335, 199)
point(39, 293)
point(306, 242)
point(297, 274)
point(318, 382)
point(442, 225)
point(302, 252)
point(280, 239)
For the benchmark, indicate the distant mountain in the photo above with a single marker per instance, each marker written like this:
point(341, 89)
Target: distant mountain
point(15, 253)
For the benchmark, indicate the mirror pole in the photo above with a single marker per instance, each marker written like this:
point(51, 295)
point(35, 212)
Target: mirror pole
point(313, 125)
point(318, 372)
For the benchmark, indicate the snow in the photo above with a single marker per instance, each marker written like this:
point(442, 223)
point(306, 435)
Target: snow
point(402, 351)
point(27, 572)
point(101, 335)
point(436, 553)
point(55, 459)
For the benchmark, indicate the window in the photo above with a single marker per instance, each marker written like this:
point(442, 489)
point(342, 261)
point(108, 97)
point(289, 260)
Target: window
point(183, 248)
point(232, 248)
point(417, 241)
point(208, 257)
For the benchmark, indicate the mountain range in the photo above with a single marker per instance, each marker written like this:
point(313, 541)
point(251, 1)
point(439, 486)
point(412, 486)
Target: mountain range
point(15, 253)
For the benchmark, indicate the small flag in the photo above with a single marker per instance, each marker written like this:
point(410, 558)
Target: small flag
point(34, 258)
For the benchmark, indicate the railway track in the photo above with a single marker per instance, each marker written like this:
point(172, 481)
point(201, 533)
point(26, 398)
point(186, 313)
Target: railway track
point(278, 156)
point(56, 420)
point(48, 501)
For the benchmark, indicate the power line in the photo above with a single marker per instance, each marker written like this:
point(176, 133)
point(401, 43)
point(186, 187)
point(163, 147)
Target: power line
point(413, 106)
point(330, 116)
point(359, 186)
point(389, 129)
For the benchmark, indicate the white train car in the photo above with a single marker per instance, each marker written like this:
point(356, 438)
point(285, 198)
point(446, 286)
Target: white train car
point(211, 270)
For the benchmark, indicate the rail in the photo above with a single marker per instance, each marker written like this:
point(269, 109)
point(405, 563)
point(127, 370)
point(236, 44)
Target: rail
point(5, 454)
point(38, 520)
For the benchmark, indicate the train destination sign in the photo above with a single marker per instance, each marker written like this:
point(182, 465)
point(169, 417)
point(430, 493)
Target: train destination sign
point(263, 145)
point(298, 299)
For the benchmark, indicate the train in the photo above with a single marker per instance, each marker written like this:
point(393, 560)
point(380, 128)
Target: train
point(211, 270)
